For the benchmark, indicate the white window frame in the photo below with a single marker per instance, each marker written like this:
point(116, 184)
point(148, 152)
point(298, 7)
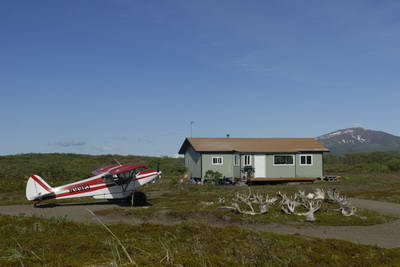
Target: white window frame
point(236, 160)
point(293, 159)
point(306, 155)
point(249, 164)
point(217, 163)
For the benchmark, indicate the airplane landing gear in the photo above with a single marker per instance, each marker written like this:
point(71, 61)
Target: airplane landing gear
point(137, 199)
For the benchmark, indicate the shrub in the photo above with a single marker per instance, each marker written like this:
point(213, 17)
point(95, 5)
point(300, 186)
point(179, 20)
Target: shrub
point(373, 162)
point(212, 176)
point(62, 166)
point(376, 168)
point(394, 164)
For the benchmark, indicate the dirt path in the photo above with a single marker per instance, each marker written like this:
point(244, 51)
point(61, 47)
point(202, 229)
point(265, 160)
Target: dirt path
point(386, 208)
point(383, 235)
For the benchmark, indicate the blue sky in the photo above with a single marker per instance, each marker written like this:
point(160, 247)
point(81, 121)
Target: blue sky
point(127, 77)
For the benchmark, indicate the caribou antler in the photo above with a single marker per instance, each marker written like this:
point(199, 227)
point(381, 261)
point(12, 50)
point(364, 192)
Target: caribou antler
point(313, 206)
point(301, 195)
point(288, 207)
point(271, 200)
point(311, 201)
point(260, 199)
point(282, 196)
point(348, 211)
point(310, 196)
point(249, 200)
point(319, 194)
point(334, 196)
point(235, 207)
point(292, 202)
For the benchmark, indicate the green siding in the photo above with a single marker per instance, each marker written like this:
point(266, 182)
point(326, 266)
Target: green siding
point(198, 164)
point(276, 171)
point(193, 162)
point(296, 170)
point(314, 170)
point(226, 168)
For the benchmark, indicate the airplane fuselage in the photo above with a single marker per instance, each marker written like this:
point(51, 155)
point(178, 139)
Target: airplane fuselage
point(105, 185)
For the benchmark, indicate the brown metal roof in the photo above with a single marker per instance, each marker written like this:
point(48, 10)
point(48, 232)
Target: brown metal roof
point(268, 145)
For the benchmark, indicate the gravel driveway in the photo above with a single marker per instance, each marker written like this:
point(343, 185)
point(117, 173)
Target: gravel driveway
point(383, 235)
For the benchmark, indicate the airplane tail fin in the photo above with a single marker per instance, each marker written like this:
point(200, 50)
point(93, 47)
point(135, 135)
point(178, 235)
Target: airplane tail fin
point(37, 187)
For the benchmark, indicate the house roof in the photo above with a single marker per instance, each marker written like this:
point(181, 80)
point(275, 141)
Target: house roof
point(253, 145)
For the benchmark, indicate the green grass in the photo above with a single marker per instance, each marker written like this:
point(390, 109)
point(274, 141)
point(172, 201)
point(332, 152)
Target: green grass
point(365, 163)
point(188, 203)
point(384, 187)
point(60, 168)
point(181, 202)
point(29, 241)
point(12, 191)
point(390, 195)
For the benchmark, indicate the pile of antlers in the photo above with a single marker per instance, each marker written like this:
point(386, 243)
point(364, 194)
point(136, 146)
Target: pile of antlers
point(249, 200)
point(311, 202)
point(345, 205)
point(256, 204)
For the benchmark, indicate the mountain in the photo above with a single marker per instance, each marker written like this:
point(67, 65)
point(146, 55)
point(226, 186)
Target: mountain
point(358, 139)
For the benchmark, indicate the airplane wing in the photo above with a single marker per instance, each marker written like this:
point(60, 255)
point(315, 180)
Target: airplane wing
point(116, 168)
point(104, 169)
point(127, 167)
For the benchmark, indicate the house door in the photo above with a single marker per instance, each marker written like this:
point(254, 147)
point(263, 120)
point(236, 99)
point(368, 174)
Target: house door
point(259, 166)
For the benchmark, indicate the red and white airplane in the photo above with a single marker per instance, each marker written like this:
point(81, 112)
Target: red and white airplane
point(111, 182)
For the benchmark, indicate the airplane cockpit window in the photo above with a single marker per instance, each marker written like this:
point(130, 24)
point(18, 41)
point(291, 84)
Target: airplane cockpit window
point(123, 178)
point(109, 178)
point(134, 172)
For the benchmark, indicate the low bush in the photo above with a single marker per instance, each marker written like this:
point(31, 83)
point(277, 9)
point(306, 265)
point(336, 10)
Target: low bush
point(188, 244)
point(374, 162)
point(212, 176)
point(62, 166)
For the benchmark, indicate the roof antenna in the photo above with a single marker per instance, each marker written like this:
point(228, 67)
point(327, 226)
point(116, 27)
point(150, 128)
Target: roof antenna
point(191, 129)
point(117, 161)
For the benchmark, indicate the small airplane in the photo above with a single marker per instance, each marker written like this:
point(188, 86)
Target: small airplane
point(118, 181)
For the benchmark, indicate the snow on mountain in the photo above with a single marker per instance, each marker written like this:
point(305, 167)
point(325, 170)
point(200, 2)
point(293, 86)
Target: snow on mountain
point(358, 139)
point(347, 136)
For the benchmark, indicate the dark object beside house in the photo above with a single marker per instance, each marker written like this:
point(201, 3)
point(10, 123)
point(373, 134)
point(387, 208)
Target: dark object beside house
point(225, 181)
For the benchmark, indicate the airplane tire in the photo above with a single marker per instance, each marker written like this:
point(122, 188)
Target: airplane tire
point(139, 198)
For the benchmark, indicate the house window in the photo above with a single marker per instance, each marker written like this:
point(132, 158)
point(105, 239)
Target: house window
point(217, 161)
point(283, 160)
point(306, 160)
point(247, 160)
point(236, 160)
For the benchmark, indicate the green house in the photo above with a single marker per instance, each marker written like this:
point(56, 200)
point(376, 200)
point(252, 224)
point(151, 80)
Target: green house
point(262, 159)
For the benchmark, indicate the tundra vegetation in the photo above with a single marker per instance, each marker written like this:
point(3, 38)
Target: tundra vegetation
point(58, 169)
point(309, 203)
point(177, 226)
point(25, 242)
point(364, 163)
